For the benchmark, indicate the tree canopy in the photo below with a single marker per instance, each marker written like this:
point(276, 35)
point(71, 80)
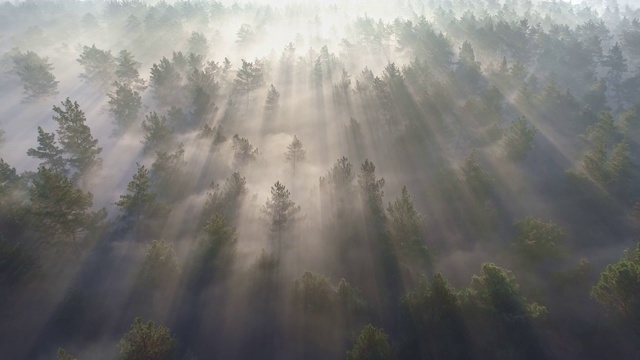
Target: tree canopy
point(147, 341)
point(75, 138)
point(36, 75)
point(99, 65)
point(618, 289)
point(280, 211)
point(371, 344)
point(319, 180)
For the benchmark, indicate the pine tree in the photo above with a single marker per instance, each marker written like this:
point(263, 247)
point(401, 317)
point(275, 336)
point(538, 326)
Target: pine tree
point(406, 226)
point(594, 164)
point(337, 188)
point(538, 241)
point(629, 122)
point(295, 153)
point(164, 80)
point(372, 343)
point(620, 163)
point(167, 172)
point(99, 65)
point(245, 35)
point(217, 243)
point(140, 201)
point(225, 200)
point(604, 131)
point(504, 67)
point(159, 265)
point(271, 104)
point(205, 80)
point(243, 151)
point(519, 139)
point(248, 78)
point(203, 105)
point(340, 175)
point(127, 70)
point(9, 178)
point(494, 296)
point(596, 97)
point(60, 211)
point(477, 179)
point(466, 55)
point(617, 65)
point(280, 211)
point(62, 354)
point(371, 187)
point(618, 289)
point(146, 341)
point(35, 73)
point(435, 320)
point(76, 139)
point(287, 60)
point(179, 62)
point(195, 62)
point(313, 294)
point(13, 190)
point(48, 151)
point(198, 44)
point(158, 136)
point(124, 104)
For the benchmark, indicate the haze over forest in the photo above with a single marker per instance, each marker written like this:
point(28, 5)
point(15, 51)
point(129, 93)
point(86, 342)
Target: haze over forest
point(436, 179)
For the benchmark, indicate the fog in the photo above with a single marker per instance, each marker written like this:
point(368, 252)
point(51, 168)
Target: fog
point(412, 138)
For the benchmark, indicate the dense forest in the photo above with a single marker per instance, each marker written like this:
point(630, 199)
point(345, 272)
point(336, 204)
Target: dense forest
point(408, 179)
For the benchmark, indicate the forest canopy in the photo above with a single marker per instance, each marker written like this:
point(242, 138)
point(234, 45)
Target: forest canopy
point(415, 179)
